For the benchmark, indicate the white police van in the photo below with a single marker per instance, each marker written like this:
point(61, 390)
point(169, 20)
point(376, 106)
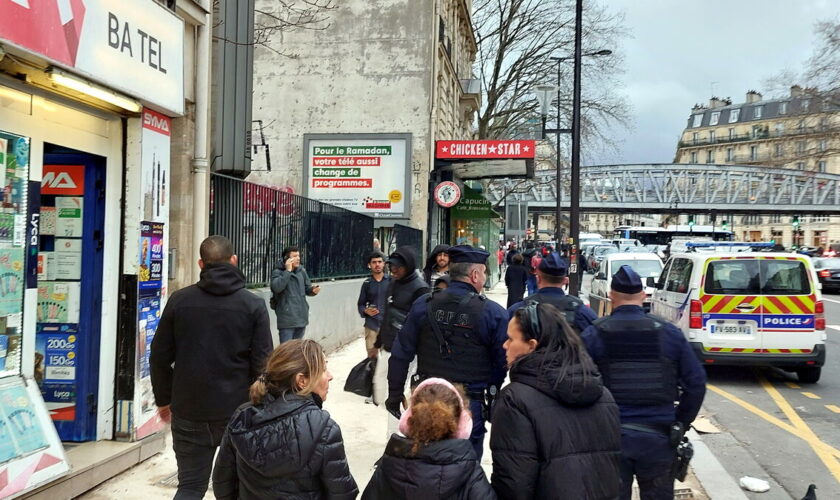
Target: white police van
point(745, 307)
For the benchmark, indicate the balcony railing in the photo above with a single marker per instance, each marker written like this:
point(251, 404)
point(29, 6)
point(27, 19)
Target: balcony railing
point(758, 136)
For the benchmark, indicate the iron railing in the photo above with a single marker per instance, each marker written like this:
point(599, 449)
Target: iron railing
point(261, 221)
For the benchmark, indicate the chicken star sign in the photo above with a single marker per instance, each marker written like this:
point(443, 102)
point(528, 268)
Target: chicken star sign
point(499, 149)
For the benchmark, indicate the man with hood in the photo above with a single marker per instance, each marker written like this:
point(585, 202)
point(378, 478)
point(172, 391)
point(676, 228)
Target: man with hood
point(437, 264)
point(648, 365)
point(406, 286)
point(211, 344)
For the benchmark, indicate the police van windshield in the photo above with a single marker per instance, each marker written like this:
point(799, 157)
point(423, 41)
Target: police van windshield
point(644, 268)
point(757, 277)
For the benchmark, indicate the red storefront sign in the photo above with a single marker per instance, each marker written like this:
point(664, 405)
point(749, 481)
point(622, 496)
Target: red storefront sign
point(482, 150)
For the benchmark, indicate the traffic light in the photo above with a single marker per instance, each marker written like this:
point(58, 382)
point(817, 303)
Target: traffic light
point(795, 222)
point(726, 225)
point(690, 221)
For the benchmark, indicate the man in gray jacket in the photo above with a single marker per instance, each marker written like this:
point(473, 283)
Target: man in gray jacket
point(289, 287)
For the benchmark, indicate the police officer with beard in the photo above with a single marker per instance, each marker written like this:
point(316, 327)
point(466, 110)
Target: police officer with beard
point(656, 380)
point(457, 335)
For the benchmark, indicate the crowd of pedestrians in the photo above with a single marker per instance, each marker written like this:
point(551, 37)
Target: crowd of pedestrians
point(590, 405)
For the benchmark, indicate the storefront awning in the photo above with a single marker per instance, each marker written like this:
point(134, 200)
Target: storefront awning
point(486, 159)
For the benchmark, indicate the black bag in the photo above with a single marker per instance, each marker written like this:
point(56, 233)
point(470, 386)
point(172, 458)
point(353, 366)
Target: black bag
point(360, 380)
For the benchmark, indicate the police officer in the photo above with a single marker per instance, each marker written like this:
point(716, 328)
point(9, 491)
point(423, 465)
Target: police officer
point(648, 366)
point(456, 334)
point(551, 278)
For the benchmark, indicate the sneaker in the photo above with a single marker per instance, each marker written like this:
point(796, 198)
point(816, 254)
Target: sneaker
point(368, 401)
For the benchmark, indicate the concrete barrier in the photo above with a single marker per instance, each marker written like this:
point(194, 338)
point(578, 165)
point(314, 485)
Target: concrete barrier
point(333, 317)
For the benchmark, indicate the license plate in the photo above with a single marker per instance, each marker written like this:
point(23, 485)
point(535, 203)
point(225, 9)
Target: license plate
point(732, 329)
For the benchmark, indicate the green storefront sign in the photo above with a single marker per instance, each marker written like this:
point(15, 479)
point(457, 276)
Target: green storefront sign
point(473, 206)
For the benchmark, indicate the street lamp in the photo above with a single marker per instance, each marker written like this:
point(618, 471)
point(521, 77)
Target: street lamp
point(543, 94)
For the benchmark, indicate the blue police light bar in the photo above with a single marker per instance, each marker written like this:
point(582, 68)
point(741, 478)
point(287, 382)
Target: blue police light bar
point(734, 244)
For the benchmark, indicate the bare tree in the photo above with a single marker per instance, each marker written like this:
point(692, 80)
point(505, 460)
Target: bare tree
point(282, 16)
point(517, 39)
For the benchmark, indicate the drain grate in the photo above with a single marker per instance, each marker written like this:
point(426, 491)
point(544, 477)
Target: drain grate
point(679, 494)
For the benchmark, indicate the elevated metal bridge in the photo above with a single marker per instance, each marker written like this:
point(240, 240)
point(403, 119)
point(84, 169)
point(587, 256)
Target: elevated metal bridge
point(684, 188)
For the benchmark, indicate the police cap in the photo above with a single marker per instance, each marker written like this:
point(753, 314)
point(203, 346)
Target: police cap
point(553, 265)
point(626, 280)
point(465, 254)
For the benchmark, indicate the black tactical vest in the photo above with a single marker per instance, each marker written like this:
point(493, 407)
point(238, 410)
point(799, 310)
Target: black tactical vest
point(567, 304)
point(635, 369)
point(454, 351)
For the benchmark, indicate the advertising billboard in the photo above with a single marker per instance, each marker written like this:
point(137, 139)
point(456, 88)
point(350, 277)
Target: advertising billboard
point(365, 173)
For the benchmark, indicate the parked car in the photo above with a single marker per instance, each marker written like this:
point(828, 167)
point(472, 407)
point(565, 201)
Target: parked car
point(828, 272)
point(646, 264)
point(598, 254)
point(746, 308)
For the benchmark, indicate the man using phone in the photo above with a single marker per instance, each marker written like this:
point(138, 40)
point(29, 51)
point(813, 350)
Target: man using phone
point(290, 284)
point(371, 301)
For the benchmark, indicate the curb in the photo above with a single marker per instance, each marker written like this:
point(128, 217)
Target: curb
point(710, 472)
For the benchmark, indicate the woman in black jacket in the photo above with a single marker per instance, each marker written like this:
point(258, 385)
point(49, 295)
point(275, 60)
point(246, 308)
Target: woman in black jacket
point(435, 459)
point(282, 444)
point(556, 427)
point(515, 278)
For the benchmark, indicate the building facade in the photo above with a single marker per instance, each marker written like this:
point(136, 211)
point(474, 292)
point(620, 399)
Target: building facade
point(800, 131)
point(102, 113)
point(373, 69)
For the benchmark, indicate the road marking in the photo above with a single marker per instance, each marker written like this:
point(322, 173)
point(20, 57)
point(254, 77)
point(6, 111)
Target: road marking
point(773, 420)
point(792, 385)
point(804, 431)
point(833, 327)
point(832, 300)
point(834, 408)
point(811, 395)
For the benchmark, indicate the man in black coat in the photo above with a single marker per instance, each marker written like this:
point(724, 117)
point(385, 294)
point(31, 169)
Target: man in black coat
point(210, 345)
point(406, 286)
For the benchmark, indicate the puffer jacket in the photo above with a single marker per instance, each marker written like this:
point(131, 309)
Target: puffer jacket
point(443, 469)
point(287, 447)
point(401, 294)
point(554, 440)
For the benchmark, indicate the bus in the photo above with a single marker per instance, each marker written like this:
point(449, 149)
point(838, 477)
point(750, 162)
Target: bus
point(664, 235)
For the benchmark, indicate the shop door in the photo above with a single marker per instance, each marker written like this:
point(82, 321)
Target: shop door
point(70, 289)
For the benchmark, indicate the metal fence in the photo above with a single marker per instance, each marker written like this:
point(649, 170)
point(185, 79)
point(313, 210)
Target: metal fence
point(261, 221)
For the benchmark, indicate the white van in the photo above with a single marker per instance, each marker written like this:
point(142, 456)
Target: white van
point(746, 308)
point(647, 265)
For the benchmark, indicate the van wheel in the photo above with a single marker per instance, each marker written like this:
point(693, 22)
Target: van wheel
point(809, 375)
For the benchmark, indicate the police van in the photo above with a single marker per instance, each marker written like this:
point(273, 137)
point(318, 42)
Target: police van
point(745, 307)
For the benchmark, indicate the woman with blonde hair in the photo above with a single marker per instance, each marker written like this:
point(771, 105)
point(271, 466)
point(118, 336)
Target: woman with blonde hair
point(434, 459)
point(282, 444)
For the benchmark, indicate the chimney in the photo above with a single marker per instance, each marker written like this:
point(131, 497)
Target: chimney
point(753, 96)
point(796, 91)
point(716, 102)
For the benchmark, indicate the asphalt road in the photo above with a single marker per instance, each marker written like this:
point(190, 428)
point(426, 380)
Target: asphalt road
point(774, 427)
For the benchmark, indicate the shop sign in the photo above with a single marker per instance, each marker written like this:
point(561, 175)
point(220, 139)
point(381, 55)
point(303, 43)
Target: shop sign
point(136, 47)
point(447, 194)
point(483, 150)
point(63, 180)
point(365, 173)
point(474, 206)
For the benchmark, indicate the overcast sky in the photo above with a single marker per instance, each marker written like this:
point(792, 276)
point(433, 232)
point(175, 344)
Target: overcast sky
point(677, 48)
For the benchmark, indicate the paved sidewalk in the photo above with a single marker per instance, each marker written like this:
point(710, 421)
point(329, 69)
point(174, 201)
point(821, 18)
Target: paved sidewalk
point(363, 427)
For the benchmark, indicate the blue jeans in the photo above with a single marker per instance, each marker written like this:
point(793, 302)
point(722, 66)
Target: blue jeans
point(195, 446)
point(532, 284)
point(479, 429)
point(649, 457)
point(287, 334)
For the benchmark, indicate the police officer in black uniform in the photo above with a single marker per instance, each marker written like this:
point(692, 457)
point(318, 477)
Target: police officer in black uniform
point(648, 365)
point(551, 278)
point(456, 334)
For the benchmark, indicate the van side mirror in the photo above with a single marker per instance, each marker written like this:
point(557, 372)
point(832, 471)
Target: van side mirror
point(652, 282)
point(601, 276)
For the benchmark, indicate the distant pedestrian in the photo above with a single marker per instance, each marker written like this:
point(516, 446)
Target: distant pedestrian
point(500, 260)
point(290, 284)
point(371, 301)
point(516, 278)
point(211, 343)
point(527, 257)
point(282, 444)
point(555, 427)
point(433, 459)
point(406, 286)
point(512, 250)
point(648, 365)
point(437, 264)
